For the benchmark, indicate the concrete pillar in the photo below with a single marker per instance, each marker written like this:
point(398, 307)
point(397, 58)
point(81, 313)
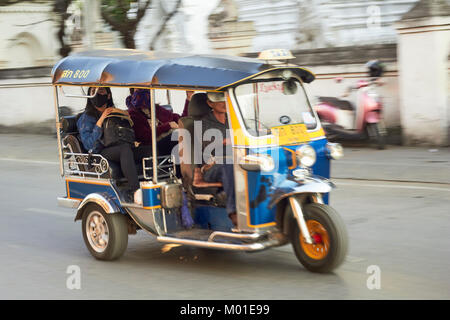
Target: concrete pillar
point(423, 53)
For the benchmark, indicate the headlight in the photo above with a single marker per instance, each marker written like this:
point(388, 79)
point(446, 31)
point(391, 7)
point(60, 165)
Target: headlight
point(335, 150)
point(306, 155)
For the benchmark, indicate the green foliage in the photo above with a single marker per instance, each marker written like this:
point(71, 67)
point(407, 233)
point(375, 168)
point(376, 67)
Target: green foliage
point(115, 13)
point(117, 9)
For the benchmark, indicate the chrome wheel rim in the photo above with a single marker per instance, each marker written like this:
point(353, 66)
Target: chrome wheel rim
point(97, 231)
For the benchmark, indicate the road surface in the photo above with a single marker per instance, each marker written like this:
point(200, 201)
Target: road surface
point(401, 228)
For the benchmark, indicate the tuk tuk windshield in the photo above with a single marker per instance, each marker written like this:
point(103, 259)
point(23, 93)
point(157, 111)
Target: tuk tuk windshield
point(272, 103)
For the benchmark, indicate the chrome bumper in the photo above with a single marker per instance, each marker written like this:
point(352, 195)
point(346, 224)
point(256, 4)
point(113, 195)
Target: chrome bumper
point(68, 203)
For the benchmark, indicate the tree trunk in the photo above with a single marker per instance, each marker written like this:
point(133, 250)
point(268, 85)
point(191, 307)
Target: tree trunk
point(60, 8)
point(128, 40)
point(163, 25)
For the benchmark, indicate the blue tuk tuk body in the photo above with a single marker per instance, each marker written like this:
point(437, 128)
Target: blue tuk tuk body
point(278, 198)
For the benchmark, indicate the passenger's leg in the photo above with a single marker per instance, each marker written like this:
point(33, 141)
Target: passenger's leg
point(223, 173)
point(165, 145)
point(228, 186)
point(123, 153)
point(142, 152)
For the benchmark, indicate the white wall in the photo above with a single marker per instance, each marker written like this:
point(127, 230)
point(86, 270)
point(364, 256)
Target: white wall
point(28, 36)
point(32, 100)
point(25, 101)
point(423, 65)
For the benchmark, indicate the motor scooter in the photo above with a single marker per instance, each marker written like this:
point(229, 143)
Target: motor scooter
point(345, 121)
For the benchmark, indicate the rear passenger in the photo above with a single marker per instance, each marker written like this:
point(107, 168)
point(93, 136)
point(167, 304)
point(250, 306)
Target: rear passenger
point(91, 132)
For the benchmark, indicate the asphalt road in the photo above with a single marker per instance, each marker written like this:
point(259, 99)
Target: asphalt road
point(400, 227)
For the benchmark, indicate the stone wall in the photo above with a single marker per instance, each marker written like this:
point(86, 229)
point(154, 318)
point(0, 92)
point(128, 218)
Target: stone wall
point(27, 102)
point(28, 36)
point(30, 88)
point(424, 47)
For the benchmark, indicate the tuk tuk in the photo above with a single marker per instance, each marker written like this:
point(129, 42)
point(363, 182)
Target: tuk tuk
point(280, 157)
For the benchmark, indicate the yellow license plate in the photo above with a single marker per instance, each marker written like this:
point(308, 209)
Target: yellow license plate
point(290, 134)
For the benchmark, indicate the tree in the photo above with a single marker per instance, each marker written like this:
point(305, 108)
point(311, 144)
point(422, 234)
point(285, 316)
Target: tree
point(60, 8)
point(124, 16)
point(117, 13)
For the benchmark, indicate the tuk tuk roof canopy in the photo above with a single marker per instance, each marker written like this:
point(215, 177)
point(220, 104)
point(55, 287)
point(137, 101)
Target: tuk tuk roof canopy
point(128, 67)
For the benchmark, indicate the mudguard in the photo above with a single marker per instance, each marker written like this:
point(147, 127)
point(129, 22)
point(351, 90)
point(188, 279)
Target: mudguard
point(102, 199)
point(288, 187)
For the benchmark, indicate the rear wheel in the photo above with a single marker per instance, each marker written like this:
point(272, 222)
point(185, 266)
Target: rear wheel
point(105, 235)
point(330, 240)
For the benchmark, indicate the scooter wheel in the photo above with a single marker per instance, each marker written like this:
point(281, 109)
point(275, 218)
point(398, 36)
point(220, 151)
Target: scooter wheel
point(376, 135)
point(329, 236)
point(105, 235)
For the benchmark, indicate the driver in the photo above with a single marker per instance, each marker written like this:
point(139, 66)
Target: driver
point(215, 170)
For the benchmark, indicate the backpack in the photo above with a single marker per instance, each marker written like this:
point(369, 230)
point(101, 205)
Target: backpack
point(117, 129)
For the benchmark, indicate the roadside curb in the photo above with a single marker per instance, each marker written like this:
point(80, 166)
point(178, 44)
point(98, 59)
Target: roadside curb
point(34, 128)
point(392, 180)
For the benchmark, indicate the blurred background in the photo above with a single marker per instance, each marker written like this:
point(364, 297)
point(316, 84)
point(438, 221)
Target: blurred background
point(394, 202)
point(333, 38)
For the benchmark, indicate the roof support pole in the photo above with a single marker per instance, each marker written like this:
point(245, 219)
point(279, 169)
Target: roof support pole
point(58, 129)
point(154, 149)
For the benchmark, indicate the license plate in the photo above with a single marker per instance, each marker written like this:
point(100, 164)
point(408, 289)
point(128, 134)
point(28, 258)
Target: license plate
point(290, 134)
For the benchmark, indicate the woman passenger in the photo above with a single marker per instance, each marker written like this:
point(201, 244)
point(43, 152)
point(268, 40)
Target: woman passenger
point(138, 104)
point(90, 128)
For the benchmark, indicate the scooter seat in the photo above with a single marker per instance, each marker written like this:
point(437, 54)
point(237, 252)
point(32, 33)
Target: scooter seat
point(335, 102)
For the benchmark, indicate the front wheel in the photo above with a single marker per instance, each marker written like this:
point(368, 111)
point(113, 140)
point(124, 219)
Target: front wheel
point(330, 240)
point(105, 235)
point(377, 134)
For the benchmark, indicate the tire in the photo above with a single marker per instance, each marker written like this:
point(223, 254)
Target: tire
point(330, 253)
point(112, 226)
point(376, 135)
